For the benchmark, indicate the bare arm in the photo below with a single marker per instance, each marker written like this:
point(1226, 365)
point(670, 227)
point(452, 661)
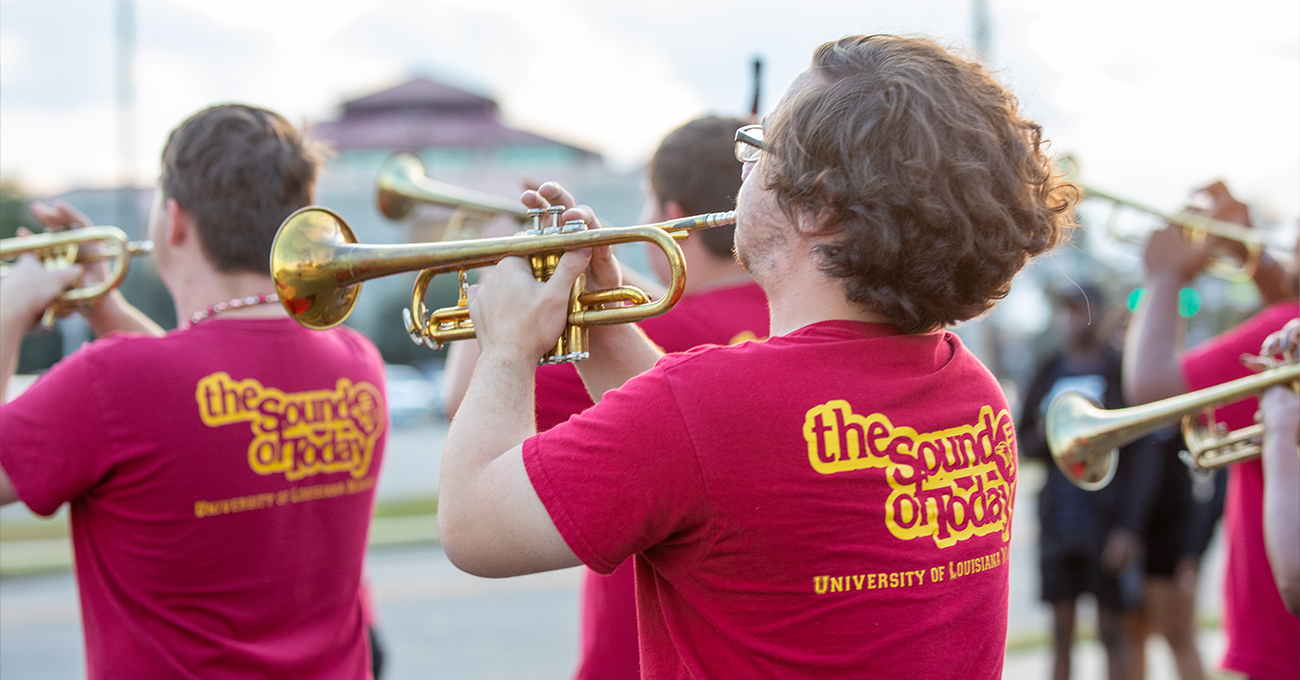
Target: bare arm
point(490, 519)
point(1271, 278)
point(1152, 348)
point(1280, 408)
point(461, 359)
point(618, 354)
point(114, 313)
point(24, 293)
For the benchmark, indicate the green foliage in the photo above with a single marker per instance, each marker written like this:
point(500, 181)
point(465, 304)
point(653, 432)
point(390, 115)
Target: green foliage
point(13, 209)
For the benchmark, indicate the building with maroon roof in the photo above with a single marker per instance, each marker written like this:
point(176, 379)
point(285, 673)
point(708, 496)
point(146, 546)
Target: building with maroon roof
point(463, 140)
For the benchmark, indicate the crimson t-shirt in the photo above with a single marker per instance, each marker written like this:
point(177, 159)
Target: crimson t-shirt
point(835, 502)
point(221, 482)
point(721, 316)
point(1263, 637)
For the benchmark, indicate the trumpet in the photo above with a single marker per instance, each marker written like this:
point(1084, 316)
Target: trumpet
point(318, 267)
point(1196, 227)
point(1084, 438)
point(402, 184)
point(59, 250)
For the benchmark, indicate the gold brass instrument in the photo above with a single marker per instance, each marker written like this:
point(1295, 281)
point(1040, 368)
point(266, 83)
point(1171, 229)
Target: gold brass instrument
point(318, 267)
point(1196, 227)
point(1084, 438)
point(59, 250)
point(402, 184)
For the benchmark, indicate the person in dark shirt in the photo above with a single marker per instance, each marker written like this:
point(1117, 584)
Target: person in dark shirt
point(1091, 541)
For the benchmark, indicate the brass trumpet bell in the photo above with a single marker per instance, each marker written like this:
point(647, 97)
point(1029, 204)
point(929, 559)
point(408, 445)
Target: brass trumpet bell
point(402, 185)
point(1084, 438)
point(318, 267)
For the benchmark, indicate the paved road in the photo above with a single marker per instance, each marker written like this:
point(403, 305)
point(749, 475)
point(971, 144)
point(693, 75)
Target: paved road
point(438, 622)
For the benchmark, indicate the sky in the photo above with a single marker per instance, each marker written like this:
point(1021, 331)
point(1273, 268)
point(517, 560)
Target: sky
point(1154, 98)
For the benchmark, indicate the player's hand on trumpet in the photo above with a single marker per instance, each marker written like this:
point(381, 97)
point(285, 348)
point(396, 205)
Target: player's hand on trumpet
point(63, 217)
point(27, 288)
point(604, 271)
point(517, 317)
point(1170, 254)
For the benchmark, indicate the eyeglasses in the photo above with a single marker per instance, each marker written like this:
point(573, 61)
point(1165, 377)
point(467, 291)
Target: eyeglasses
point(749, 143)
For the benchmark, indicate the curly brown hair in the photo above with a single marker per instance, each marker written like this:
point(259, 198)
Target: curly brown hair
point(937, 190)
point(239, 171)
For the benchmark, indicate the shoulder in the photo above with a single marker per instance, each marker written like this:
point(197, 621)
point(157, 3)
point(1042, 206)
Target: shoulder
point(125, 350)
point(355, 340)
point(1246, 336)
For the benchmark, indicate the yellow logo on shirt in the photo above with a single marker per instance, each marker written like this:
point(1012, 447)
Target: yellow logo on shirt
point(951, 484)
point(302, 433)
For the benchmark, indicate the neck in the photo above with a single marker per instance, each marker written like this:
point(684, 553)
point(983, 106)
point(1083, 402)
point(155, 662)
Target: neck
point(712, 273)
point(800, 294)
point(204, 289)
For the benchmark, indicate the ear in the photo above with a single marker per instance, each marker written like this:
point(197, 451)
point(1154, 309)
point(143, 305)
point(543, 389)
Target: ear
point(179, 227)
point(672, 211)
point(820, 223)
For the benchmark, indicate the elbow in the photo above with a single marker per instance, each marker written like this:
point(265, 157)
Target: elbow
point(1291, 598)
point(452, 537)
point(452, 396)
point(1289, 589)
point(459, 544)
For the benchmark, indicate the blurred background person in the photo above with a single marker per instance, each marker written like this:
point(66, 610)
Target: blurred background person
point(1089, 541)
point(694, 171)
point(220, 476)
point(1279, 411)
point(1263, 636)
point(1184, 513)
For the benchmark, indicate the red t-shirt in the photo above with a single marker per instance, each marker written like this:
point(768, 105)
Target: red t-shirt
point(721, 316)
point(1263, 637)
point(221, 481)
point(815, 505)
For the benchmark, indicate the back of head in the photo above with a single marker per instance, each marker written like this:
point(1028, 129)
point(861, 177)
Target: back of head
point(238, 172)
point(695, 166)
point(935, 189)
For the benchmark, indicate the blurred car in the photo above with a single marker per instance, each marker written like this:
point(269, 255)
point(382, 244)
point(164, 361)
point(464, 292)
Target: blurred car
point(412, 396)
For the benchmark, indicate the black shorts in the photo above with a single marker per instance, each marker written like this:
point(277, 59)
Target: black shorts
point(1068, 573)
point(1164, 544)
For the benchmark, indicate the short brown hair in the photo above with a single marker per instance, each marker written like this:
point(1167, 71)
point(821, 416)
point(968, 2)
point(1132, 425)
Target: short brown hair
point(238, 171)
point(936, 187)
point(695, 166)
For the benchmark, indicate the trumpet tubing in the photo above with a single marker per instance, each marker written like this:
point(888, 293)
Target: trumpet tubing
point(1196, 227)
point(402, 185)
point(318, 267)
point(57, 250)
point(1084, 438)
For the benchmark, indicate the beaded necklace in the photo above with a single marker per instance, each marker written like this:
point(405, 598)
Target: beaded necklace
point(236, 303)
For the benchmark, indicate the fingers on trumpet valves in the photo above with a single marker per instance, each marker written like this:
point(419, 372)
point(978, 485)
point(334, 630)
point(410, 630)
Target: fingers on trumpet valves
point(1281, 346)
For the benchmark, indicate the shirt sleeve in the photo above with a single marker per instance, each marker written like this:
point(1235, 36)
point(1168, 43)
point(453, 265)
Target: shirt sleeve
point(52, 436)
point(1218, 360)
point(617, 479)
